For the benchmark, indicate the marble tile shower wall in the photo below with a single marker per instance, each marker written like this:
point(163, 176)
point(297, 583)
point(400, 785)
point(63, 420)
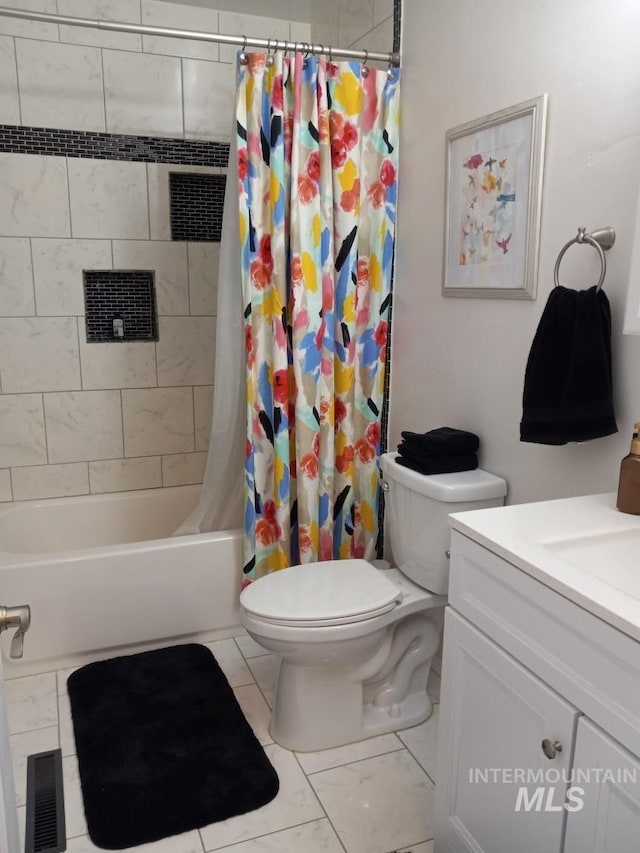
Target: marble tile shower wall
point(361, 24)
point(77, 417)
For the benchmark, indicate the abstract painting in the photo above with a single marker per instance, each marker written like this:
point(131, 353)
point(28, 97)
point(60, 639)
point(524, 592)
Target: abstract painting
point(494, 180)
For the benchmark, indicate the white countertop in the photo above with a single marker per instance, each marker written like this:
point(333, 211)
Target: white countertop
point(583, 548)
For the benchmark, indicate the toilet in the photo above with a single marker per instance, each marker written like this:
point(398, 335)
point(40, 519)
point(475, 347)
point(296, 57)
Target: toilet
point(356, 641)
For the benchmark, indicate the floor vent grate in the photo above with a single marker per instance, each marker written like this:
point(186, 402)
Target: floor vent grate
point(45, 828)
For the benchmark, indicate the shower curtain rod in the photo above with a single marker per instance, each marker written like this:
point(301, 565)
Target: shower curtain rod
point(242, 41)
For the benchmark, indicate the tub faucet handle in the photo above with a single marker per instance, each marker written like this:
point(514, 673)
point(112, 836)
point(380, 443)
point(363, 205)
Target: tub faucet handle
point(16, 617)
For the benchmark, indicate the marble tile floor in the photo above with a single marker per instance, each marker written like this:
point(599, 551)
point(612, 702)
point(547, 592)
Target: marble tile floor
point(374, 796)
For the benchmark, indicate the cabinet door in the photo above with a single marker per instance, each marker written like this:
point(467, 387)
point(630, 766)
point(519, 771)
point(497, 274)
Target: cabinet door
point(495, 788)
point(607, 815)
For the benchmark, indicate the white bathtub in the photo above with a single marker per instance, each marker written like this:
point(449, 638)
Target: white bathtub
point(102, 572)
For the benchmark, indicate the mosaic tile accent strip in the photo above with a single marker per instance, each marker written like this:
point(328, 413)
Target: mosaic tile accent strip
point(196, 202)
point(397, 24)
point(120, 299)
point(111, 146)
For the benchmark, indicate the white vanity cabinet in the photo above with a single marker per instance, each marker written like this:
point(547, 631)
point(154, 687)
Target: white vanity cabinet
point(610, 818)
point(494, 716)
point(534, 689)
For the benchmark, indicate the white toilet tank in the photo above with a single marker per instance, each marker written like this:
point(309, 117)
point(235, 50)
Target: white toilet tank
point(417, 506)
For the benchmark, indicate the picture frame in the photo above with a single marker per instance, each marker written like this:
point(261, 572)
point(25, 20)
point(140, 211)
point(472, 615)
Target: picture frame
point(494, 172)
point(632, 307)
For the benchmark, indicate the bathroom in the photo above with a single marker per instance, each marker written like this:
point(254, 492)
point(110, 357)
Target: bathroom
point(456, 361)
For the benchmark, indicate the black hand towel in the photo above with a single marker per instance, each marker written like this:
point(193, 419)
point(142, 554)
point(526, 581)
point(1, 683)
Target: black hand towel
point(440, 464)
point(415, 453)
point(444, 441)
point(567, 386)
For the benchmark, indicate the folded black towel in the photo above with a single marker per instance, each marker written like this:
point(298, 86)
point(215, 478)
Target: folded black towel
point(444, 441)
point(568, 392)
point(415, 452)
point(440, 464)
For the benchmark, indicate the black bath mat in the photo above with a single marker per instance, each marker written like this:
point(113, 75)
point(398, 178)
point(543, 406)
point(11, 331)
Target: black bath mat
point(163, 747)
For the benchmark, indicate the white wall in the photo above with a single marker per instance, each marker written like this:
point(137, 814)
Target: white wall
point(461, 362)
point(290, 10)
point(360, 24)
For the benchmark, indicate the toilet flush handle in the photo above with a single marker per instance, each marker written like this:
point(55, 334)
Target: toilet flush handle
point(384, 485)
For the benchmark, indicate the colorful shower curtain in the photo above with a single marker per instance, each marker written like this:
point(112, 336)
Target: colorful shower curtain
point(317, 178)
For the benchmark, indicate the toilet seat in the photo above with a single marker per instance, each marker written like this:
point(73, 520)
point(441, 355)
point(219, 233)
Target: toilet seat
point(335, 592)
point(328, 622)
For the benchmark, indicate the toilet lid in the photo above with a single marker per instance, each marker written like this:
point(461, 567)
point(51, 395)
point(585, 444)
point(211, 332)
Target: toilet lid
point(334, 592)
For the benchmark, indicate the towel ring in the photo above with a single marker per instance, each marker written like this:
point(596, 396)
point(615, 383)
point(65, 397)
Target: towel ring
point(602, 239)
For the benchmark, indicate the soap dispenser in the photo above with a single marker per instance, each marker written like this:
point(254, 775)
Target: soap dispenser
point(629, 484)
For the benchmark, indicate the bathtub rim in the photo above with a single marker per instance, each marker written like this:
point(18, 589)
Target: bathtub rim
point(11, 558)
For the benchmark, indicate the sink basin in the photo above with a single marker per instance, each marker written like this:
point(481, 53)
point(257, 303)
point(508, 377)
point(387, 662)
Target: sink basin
point(612, 556)
point(582, 547)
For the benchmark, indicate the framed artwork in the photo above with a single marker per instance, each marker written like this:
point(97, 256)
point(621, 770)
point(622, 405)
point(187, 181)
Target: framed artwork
point(632, 308)
point(493, 198)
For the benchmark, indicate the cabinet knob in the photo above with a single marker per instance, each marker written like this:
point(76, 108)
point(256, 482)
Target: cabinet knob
point(551, 747)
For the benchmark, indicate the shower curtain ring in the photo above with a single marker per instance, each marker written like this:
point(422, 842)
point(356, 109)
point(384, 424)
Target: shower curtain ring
point(244, 59)
point(365, 67)
point(270, 58)
point(390, 71)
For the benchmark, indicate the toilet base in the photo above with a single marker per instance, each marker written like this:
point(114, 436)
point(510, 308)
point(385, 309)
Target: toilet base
point(330, 730)
point(321, 707)
point(415, 710)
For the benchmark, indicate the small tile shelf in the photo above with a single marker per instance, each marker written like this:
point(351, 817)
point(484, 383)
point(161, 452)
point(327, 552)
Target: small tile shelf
point(120, 300)
point(197, 201)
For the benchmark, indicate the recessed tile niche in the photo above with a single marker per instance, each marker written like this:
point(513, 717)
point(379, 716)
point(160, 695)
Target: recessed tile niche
point(120, 305)
point(196, 201)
